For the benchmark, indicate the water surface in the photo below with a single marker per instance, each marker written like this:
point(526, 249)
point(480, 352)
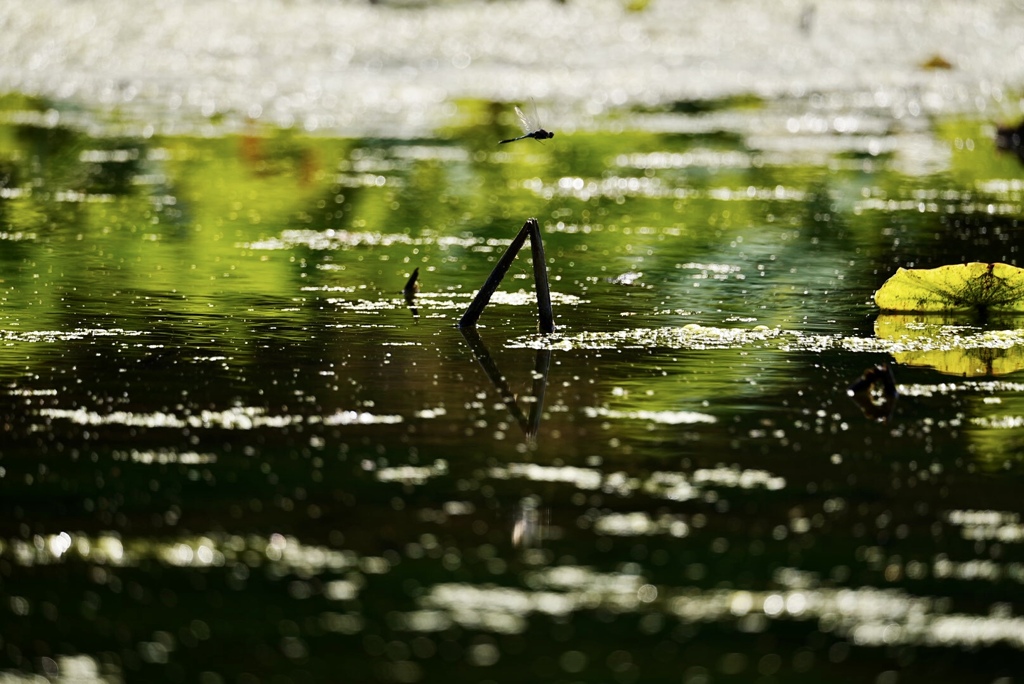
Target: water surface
point(234, 451)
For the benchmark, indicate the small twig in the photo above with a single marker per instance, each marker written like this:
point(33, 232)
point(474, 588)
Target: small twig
point(412, 285)
point(530, 425)
point(476, 307)
point(546, 316)
point(540, 274)
point(486, 361)
point(540, 383)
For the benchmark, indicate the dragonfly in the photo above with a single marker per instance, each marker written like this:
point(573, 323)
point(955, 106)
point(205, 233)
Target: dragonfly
point(530, 129)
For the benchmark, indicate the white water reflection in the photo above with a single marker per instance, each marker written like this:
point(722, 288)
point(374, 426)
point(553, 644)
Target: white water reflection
point(867, 616)
point(982, 525)
point(331, 239)
point(445, 301)
point(933, 338)
point(613, 187)
point(661, 417)
point(64, 669)
point(640, 524)
point(998, 422)
point(556, 591)
point(65, 335)
point(165, 456)
point(882, 112)
point(287, 554)
point(413, 475)
point(861, 65)
point(672, 485)
point(237, 418)
point(988, 387)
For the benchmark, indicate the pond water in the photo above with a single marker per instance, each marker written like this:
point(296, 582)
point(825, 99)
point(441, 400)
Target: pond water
point(234, 451)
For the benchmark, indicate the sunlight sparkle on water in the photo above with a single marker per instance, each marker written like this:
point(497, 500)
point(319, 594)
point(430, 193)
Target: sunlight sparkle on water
point(65, 669)
point(237, 418)
point(331, 239)
point(284, 552)
point(661, 417)
point(698, 157)
point(65, 335)
point(299, 455)
point(672, 485)
point(408, 474)
point(639, 524)
point(165, 456)
point(980, 525)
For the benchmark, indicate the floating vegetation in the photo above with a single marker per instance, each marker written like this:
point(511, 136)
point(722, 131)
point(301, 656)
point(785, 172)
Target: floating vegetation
point(951, 349)
point(714, 271)
point(974, 287)
point(987, 387)
point(65, 335)
point(629, 279)
point(690, 336)
point(365, 305)
point(446, 301)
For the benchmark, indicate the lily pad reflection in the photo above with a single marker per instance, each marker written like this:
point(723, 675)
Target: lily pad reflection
point(919, 340)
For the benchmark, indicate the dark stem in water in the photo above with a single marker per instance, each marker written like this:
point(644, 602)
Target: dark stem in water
point(530, 229)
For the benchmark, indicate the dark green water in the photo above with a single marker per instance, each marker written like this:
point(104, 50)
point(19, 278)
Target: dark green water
point(232, 452)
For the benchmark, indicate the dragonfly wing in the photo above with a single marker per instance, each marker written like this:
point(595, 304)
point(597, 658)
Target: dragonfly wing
point(524, 121)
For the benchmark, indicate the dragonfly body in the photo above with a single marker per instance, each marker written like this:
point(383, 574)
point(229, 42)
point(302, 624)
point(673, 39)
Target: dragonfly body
point(530, 130)
point(539, 134)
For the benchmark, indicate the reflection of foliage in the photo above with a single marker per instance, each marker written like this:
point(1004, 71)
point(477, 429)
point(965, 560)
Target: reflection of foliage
point(114, 227)
point(54, 152)
point(974, 287)
point(8, 174)
point(180, 214)
point(111, 166)
point(995, 431)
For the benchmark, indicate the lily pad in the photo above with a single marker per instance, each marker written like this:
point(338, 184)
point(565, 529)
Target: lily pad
point(974, 287)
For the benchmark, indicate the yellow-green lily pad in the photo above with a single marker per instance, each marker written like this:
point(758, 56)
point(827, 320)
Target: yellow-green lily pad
point(974, 287)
